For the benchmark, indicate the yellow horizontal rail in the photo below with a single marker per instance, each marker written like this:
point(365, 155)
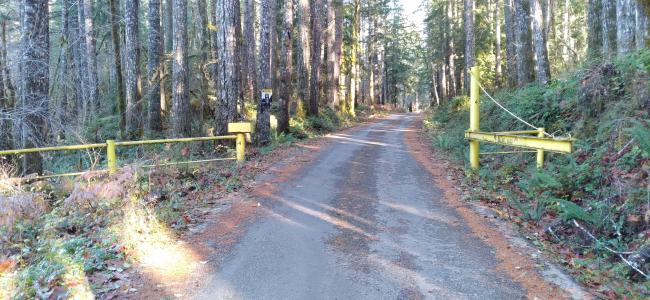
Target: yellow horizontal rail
point(179, 140)
point(51, 149)
point(238, 131)
point(532, 132)
point(507, 152)
point(564, 146)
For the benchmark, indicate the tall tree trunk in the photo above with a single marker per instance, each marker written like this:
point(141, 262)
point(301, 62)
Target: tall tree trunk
point(214, 47)
point(154, 67)
point(331, 56)
point(511, 42)
point(541, 53)
point(316, 45)
point(286, 66)
point(372, 52)
point(566, 36)
point(608, 17)
point(338, 44)
point(354, 58)
point(228, 55)
point(303, 55)
point(524, 43)
point(61, 114)
point(10, 90)
point(497, 43)
point(131, 69)
point(83, 63)
point(239, 105)
point(378, 74)
point(91, 57)
point(641, 36)
point(77, 61)
point(451, 57)
point(250, 49)
point(469, 37)
point(263, 125)
point(204, 36)
point(625, 25)
point(115, 37)
point(594, 29)
point(5, 131)
point(167, 15)
point(35, 81)
point(180, 113)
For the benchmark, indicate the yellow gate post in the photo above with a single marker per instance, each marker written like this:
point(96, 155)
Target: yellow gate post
point(111, 157)
point(474, 113)
point(241, 129)
point(540, 152)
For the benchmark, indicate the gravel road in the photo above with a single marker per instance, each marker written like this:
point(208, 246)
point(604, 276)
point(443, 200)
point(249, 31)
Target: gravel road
point(363, 220)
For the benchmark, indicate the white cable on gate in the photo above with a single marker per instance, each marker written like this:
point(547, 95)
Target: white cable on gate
point(509, 112)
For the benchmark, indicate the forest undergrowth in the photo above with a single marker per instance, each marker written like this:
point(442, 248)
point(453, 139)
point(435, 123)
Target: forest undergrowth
point(590, 210)
point(80, 237)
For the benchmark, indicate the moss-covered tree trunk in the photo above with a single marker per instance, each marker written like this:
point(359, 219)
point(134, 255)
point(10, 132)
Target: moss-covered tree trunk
point(154, 67)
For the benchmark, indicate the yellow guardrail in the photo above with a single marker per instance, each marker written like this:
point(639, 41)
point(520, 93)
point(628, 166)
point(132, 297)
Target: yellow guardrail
point(238, 131)
point(535, 140)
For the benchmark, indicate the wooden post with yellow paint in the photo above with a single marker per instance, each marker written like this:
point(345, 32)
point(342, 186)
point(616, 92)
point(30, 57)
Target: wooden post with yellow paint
point(474, 113)
point(111, 157)
point(240, 129)
point(540, 152)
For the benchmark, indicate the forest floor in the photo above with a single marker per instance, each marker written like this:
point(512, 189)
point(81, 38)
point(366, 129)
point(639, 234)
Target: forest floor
point(370, 212)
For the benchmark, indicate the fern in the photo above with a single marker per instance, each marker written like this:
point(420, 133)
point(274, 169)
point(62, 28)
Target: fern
point(641, 134)
point(569, 210)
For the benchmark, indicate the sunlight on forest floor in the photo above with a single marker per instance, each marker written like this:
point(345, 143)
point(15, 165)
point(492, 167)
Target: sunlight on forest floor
point(74, 279)
point(8, 283)
point(157, 249)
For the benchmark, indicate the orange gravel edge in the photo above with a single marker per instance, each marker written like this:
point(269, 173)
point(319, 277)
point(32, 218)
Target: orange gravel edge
point(519, 267)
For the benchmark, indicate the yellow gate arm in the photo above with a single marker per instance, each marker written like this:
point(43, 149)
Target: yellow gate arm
point(529, 139)
point(564, 146)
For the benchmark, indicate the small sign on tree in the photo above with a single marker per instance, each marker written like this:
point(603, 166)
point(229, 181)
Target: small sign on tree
point(267, 97)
